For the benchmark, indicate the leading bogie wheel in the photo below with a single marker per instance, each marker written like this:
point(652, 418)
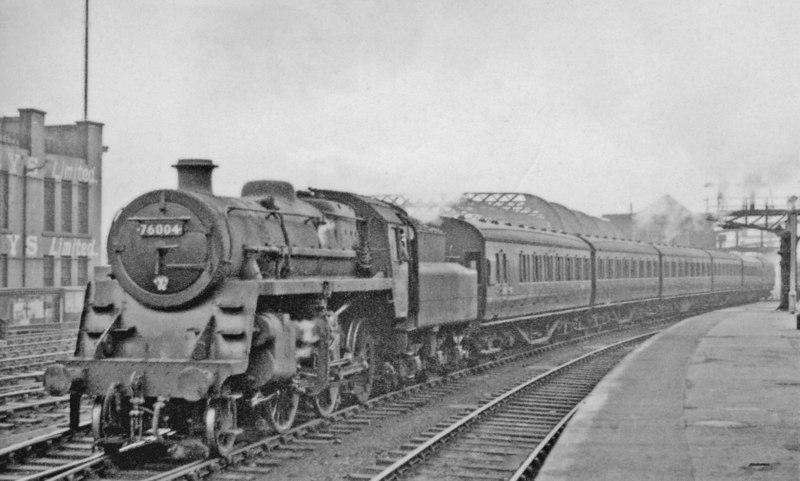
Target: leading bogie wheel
point(281, 409)
point(220, 426)
point(97, 418)
point(110, 419)
point(325, 403)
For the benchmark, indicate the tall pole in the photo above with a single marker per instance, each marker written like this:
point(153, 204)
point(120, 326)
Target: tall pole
point(86, 62)
point(792, 255)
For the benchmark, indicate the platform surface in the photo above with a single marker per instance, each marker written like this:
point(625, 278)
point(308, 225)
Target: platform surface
point(715, 397)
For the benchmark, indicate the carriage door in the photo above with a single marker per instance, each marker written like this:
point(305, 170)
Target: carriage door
point(399, 247)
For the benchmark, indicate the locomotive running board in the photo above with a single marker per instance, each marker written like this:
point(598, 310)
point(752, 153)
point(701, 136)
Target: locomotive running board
point(285, 287)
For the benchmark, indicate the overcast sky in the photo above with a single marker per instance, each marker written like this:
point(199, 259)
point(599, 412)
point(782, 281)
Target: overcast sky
point(594, 104)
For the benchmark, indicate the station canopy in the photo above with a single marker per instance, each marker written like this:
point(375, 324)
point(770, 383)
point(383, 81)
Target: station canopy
point(507, 207)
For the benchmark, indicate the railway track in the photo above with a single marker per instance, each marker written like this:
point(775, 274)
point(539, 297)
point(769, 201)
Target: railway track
point(46, 456)
point(263, 456)
point(24, 404)
point(27, 413)
point(258, 455)
point(15, 338)
point(508, 438)
point(35, 362)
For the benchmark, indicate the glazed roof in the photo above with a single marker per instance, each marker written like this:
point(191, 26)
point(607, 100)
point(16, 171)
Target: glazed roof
point(516, 208)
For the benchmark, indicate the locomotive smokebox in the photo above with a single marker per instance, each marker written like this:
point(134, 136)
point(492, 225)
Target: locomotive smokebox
point(195, 175)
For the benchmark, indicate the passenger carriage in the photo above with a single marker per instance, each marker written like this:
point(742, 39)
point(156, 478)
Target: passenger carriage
point(685, 271)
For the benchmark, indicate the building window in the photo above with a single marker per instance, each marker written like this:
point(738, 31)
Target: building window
point(49, 205)
point(83, 270)
point(48, 271)
point(4, 270)
point(66, 271)
point(83, 208)
point(66, 206)
point(4, 200)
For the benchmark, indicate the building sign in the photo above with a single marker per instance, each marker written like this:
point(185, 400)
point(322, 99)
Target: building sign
point(69, 169)
point(57, 246)
point(74, 170)
point(12, 162)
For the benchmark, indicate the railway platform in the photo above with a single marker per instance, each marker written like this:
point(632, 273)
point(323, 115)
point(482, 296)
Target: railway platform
point(715, 397)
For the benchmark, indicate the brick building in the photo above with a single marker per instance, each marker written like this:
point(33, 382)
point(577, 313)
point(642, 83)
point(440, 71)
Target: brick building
point(50, 200)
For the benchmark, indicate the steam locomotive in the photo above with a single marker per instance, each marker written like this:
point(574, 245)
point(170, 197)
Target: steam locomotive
point(229, 312)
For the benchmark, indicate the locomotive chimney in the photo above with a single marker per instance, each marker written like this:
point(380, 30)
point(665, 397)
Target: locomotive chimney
point(195, 175)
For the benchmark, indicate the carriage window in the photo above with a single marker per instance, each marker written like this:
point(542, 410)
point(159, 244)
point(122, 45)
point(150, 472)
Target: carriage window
point(489, 273)
point(568, 269)
point(527, 268)
point(401, 243)
point(557, 275)
point(545, 268)
point(530, 267)
point(501, 267)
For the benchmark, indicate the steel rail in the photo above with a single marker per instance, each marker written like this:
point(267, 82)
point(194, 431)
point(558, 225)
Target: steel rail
point(423, 451)
point(201, 468)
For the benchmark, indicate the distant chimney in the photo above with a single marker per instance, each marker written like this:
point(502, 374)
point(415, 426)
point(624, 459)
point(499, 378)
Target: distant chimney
point(195, 175)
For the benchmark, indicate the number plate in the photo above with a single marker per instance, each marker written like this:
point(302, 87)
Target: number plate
point(161, 229)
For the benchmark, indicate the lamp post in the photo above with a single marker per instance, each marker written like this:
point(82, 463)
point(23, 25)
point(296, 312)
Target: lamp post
point(792, 221)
